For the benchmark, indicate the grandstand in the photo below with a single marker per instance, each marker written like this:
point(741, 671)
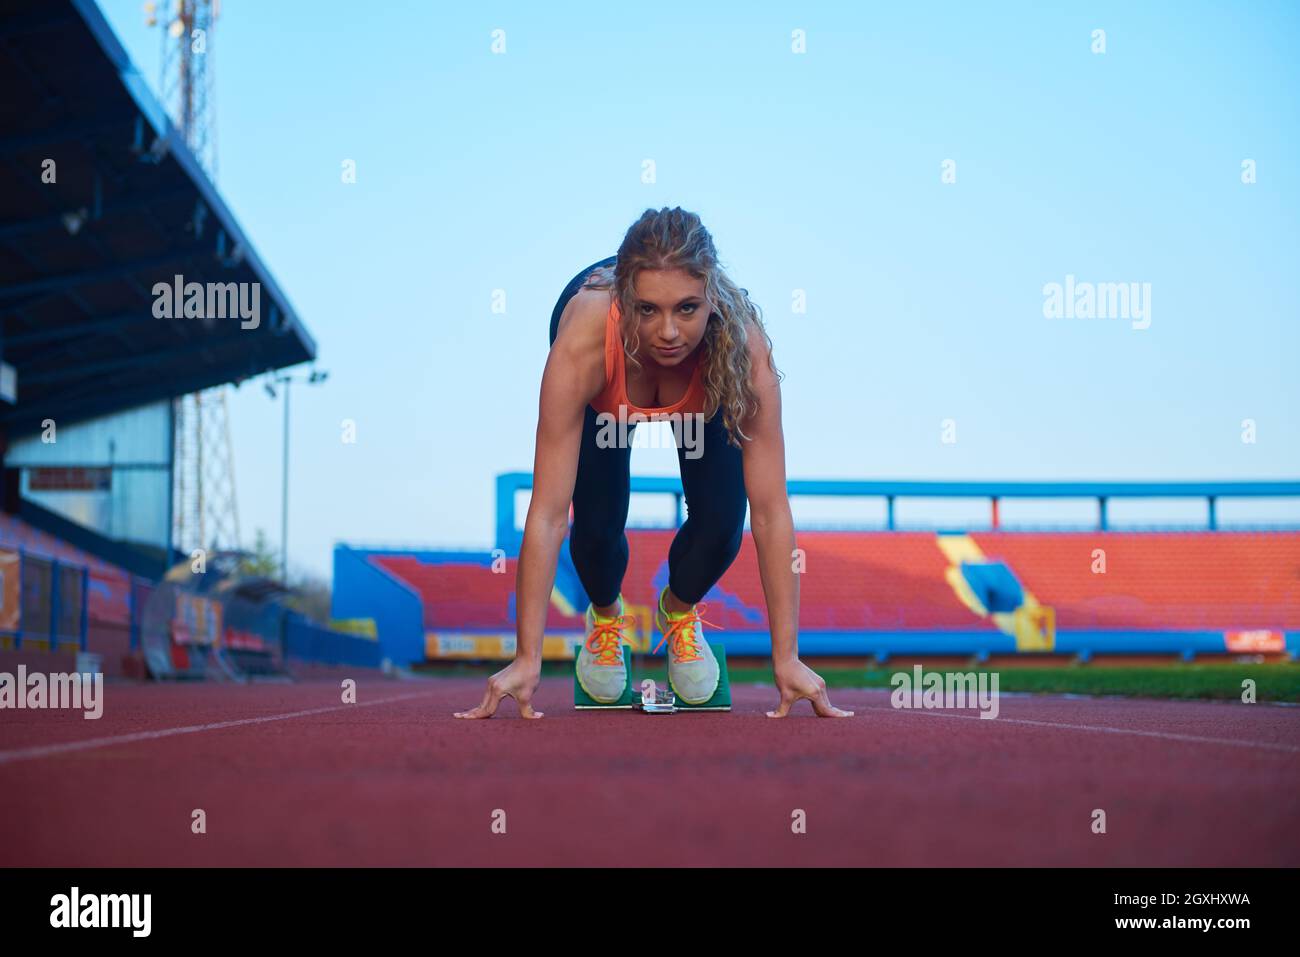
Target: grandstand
point(975, 592)
point(104, 201)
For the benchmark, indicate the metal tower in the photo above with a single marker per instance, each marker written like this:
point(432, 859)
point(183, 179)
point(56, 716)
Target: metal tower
point(205, 511)
point(187, 74)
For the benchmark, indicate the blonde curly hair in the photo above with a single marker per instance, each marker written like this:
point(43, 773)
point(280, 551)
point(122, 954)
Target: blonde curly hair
point(676, 239)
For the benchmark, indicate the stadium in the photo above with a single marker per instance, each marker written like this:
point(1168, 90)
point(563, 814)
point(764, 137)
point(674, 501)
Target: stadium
point(979, 593)
point(1140, 635)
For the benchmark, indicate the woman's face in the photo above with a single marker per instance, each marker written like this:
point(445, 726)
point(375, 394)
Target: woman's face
point(672, 313)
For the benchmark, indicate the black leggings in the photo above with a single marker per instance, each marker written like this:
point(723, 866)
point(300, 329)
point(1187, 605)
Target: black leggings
point(714, 487)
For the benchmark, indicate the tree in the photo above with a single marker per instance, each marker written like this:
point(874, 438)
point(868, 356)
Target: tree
point(262, 562)
point(311, 597)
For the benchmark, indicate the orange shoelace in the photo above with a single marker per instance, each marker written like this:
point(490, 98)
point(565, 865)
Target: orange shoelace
point(606, 638)
point(682, 634)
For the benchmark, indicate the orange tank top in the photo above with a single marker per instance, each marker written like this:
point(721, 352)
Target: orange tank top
point(615, 392)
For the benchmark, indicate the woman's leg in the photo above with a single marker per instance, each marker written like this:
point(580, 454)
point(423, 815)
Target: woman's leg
point(709, 539)
point(597, 542)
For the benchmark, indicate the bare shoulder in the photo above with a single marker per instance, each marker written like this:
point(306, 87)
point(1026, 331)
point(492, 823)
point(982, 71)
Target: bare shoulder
point(760, 354)
point(578, 353)
point(583, 317)
point(764, 424)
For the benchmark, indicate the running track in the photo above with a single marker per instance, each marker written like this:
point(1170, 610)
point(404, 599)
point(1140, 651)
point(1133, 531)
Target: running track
point(288, 775)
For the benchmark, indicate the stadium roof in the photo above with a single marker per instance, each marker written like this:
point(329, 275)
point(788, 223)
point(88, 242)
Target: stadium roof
point(129, 207)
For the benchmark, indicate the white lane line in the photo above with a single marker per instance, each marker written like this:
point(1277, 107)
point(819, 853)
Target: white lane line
point(1166, 735)
point(23, 754)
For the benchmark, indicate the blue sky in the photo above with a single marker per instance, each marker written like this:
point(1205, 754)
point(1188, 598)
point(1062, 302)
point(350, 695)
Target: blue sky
point(819, 172)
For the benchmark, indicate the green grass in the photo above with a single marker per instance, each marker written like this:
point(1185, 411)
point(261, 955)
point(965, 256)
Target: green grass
point(1273, 682)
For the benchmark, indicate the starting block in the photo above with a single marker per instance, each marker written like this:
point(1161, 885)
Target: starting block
point(721, 700)
point(585, 702)
point(665, 700)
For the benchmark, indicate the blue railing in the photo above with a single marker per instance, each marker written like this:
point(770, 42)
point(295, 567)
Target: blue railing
point(509, 484)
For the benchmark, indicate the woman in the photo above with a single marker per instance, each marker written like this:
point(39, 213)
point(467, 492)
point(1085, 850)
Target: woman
point(658, 330)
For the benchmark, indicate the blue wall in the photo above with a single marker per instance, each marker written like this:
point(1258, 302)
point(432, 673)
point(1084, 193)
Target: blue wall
point(361, 590)
point(306, 641)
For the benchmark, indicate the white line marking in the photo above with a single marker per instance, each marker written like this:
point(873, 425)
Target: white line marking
point(42, 751)
point(1168, 736)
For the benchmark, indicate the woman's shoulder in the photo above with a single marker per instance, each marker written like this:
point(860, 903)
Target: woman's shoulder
point(757, 341)
point(584, 315)
point(579, 347)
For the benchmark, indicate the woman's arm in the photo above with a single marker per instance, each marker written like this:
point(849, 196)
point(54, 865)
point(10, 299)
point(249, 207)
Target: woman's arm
point(772, 527)
point(569, 382)
point(555, 469)
point(770, 521)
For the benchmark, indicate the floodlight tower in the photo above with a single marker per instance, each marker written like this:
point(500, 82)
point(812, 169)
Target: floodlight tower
point(205, 511)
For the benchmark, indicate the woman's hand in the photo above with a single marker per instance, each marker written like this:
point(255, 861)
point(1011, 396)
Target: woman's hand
point(517, 680)
point(795, 681)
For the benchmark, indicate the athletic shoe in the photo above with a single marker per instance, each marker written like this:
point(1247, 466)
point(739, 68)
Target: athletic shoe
point(692, 669)
point(602, 665)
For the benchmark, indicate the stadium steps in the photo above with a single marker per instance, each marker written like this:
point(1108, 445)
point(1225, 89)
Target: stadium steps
point(1159, 580)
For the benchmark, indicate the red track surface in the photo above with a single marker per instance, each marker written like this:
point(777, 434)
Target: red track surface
point(403, 783)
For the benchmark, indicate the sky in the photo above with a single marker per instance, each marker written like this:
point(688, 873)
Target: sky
point(895, 185)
